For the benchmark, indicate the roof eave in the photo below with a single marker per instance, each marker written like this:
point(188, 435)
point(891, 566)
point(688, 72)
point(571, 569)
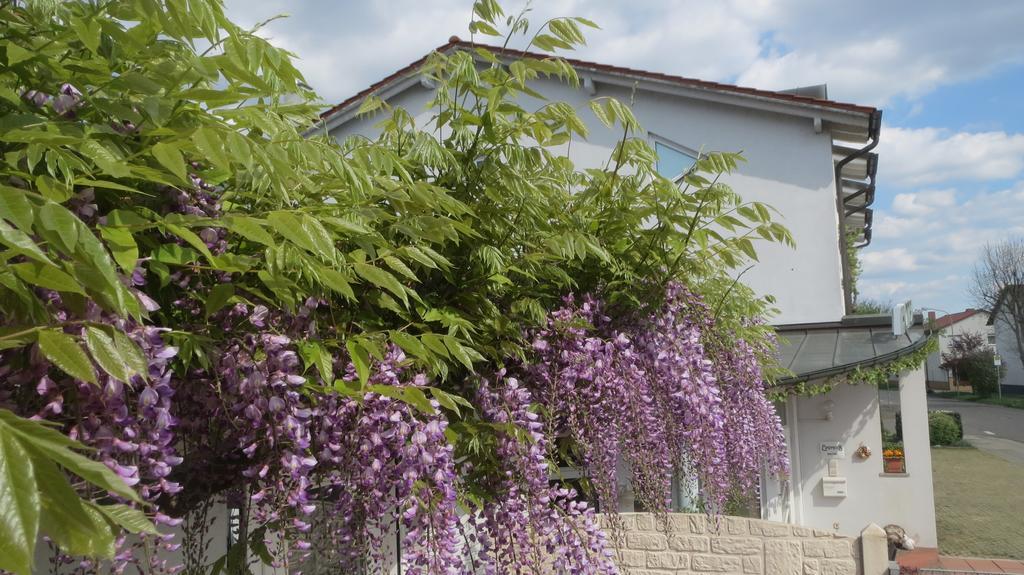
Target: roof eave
point(851, 367)
point(840, 114)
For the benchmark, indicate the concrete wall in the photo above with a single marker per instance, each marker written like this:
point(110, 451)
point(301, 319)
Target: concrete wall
point(872, 496)
point(789, 167)
point(736, 545)
point(1006, 346)
point(977, 323)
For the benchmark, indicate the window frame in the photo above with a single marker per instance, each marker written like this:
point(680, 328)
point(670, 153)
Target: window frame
point(657, 139)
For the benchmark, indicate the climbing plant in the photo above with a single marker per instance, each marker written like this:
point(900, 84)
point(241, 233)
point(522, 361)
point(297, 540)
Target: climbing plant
point(199, 301)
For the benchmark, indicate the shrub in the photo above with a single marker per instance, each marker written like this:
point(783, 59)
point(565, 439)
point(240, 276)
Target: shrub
point(942, 428)
point(980, 370)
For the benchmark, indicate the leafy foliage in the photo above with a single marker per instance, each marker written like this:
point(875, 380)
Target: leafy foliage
point(868, 306)
point(206, 294)
point(980, 371)
point(943, 429)
point(36, 497)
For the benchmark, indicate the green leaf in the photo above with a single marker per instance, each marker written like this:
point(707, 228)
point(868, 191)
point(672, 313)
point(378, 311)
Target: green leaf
point(47, 276)
point(64, 516)
point(250, 229)
point(314, 354)
point(169, 156)
point(175, 254)
point(219, 296)
point(129, 518)
point(129, 351)
point(434, 343)
point(290, 226)
point(382, 279)
point(61, 223)
point(106, 354)
point(57, 446)
point(411, 396)
point(105, 184)
point(15, 207)
point(104, 158)
point(122, 245)
point(20, 242)
point(400, 267)
point(19, 507)
point(408, 342)
point(336, 281)
point(360, 358)
point(191, 238)
point(450, 401)
point(62, 349)
point(16, 54)
point(211, 146)
point(88, 31)
point(458, 351)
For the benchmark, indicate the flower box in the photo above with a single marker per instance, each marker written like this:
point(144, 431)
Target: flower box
point(895, 464)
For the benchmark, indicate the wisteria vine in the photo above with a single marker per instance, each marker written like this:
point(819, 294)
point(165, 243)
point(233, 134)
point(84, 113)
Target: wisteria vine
point(658, 394)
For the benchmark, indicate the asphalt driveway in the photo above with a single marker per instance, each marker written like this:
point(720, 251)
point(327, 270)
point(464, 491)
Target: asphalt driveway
point(992, 428)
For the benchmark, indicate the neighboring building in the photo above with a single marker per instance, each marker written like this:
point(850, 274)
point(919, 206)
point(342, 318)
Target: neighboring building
point(946, 329)
point(810, 158)
point(1006, 339)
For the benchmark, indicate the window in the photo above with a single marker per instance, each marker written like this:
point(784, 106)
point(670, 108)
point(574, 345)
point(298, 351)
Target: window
point(991, 339)
point(894, 458)
point(673, 160)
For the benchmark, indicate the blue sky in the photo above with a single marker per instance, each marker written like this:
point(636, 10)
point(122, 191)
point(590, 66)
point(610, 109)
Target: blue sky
point(948, 74)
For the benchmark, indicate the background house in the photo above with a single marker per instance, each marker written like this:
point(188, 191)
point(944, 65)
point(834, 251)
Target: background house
point(1004, 327)
point(810, 158)
point(948, 327)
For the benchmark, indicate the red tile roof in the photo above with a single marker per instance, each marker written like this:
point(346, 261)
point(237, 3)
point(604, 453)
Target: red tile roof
point(454, 42)
point(948, 320)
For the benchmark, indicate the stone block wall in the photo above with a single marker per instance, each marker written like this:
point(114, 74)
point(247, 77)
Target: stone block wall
point(698, 545)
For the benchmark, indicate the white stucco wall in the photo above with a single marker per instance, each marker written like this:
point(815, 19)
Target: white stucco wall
point(789, 167)
point(977, 323)
point(1006, 347)
point(872, 496)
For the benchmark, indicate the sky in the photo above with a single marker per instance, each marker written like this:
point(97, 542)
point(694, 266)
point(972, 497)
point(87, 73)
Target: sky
point(949, 76)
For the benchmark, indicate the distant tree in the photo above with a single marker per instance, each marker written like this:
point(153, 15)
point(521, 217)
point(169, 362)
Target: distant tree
point(870, 306)
point(998, 286)
point(962, 349)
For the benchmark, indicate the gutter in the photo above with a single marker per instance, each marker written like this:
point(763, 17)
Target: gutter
point(874, 130)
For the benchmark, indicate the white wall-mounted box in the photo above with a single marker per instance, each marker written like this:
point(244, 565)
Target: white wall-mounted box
point(833, 486)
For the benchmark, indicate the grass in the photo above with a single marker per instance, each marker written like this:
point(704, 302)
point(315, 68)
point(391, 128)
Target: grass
point(978, 504)
point(1016, 402)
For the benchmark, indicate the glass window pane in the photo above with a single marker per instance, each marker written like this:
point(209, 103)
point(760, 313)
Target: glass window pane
point(671, 162)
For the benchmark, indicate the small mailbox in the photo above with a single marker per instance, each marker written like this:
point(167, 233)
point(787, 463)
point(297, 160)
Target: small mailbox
point(833, 486)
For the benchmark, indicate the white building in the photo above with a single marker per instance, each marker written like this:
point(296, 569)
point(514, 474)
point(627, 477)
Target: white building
point(947, 328)
point(810, 158)
point(1006, 339)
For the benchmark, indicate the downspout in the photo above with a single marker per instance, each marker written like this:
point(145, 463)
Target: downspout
point(874, 129)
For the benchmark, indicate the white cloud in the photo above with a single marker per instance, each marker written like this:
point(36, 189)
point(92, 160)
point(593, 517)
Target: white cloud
point(894, 259)
point(910, 156)
point(926, 243)
point(922, 203)
point(870, 55)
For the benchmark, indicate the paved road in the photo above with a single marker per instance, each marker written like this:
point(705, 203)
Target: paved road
point(992, 428)
point(979, 418)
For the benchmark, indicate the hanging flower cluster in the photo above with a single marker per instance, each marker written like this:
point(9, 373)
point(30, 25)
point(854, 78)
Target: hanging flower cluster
point(531, 524)
point(651, 394)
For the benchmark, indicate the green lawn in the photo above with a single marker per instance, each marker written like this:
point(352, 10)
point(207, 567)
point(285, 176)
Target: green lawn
point(979, 502)
point(1010, 401)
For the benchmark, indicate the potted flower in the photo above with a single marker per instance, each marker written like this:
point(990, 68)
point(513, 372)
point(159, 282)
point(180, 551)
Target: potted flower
point(894, 461)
